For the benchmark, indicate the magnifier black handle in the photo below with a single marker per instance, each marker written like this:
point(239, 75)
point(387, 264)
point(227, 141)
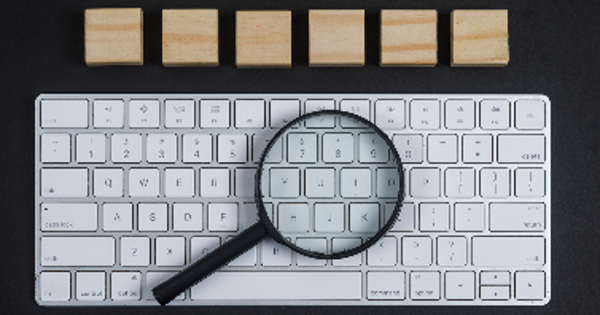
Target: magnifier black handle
point(168, 290)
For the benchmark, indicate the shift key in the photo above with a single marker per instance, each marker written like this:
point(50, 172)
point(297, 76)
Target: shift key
point(509, 251)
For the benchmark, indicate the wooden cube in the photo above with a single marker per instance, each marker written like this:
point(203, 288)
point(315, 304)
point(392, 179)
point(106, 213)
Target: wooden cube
point(190, 37)
point(263, 39)
point(408, 38)
point(479, 38)
point(336, 38)
point(114, 37)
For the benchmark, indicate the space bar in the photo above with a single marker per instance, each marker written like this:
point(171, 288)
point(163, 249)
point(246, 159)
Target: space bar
point(278, 285)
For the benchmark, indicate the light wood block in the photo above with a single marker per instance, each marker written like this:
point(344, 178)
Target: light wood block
point(263, 39)
point(190, 37)
point(336, 38)
point(114, 37)
point(479, 38)
point(408, 38)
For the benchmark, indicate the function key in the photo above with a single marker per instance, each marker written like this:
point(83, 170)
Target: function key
point(460, 114)
point(250, 114)
point(389, 114)
point(144, 114)
point(108, 113)
point(64, 113)
point(179, 113)
point(425, 114)
point(495, 114)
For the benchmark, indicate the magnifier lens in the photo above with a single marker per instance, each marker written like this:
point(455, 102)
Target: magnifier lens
point(332, 182)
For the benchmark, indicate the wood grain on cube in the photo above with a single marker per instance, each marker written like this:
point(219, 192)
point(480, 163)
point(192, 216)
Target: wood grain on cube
point(479, 38)
point(114, 37)
point(190, 37)
point(408, 38)
point(263, 39)
point(336, 38)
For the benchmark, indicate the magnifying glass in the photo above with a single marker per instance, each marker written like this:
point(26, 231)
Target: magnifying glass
point(324, 176)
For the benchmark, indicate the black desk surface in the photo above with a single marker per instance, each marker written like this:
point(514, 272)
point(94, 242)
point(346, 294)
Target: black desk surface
point(554, 50)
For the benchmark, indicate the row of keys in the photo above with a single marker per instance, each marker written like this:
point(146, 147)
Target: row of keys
point(381, 285)
point(425, 114)
point(301, 148)
point(411, 251)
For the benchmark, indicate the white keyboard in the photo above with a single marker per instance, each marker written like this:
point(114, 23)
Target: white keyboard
point(131, 188)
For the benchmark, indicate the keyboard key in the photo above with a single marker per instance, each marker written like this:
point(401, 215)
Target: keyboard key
point(56, 182)
point(460, 114)
point(155, 278)
point(180, 182)
point(434, 217)
point(307, 286)
point(64, 113)
point(530, 114)
point(530, 285)
point(91, 148)
point(55, 286)
point(468, 217)
point(340, 244)
point(494, 278)
point(372, 149)
point(223, 217)
point(495, 114)
point(91, 286)
point(442, 149)
point(406, 218)
point(284, 182)
point(409, 147)
point(69, 216)
point(180, 113)
point(245, 179)
point(161, 148)
point(416, 251)
point(460, 182)
point(477, 148)
point(144, 114)
point(384, 252)
point(425, 182)
point(494, 183)
point(249, 114)
point(460, 285)
point(126, 148)
point(77, 251)
point(319, 105)
point(388, 181)
point(135, 251)
point(530, 183)
point(318, 245)
point(232, 148)
point(360, 108)
point(329, 217)
point(144, 182)
point(187, 217)
point(56, 148)
point(517, 217)
point(425, 114)
point(452, 251)
point(355, 182)
point(170, 251)
point(495, 293)
point(385, 285)
point(364, 217)
point(214, 113)
point(126, 286)
point(214, 182)
point(389, 114)
point(425, 285)
point(320, 182)
point(302, 147)
point(247, 259)
point(521, 148)
point(152, 217)
point(293, 217)
point(117, 217)
point(108, 182)
point(109, 113)
point(275, 254)
point(197, 148)
point(283, 111)
point(509, 251)
point(338, 148)
point(201, 246)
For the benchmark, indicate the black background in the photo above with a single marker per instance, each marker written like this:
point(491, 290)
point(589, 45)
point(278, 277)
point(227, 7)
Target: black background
point(554, 50)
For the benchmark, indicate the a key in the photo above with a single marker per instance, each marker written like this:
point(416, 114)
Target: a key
point(460, 285)
point(318, 245)
point(530, 114)
point(425, 285)
point(319, 105)
point(170, 251)
point(108, 182)
point(77, 251)
point(452, 251)
point(517, 217)
point(468, 216)
point(460, 182)
point(494, 183)
point(320, 182)
point(247, 259)
point(55, 286)
point(56, 148)
point(329, 217)
point(530, 182)
point(232, 148)
point(275, 254)
point(406, 218)
point(90, 286)
point(68, 216)
point(495, 114)
point(521, 149)
point(180, 113)
point(383, 253)
point(425, 114)
point(245, 179)
point(340, 244)
point(372, 149)
point(223, 217)
point(434, 217)
point(144, 114)
point(283, 111)
point(152, 217)
point(284, 182)
point(214, 113)
point(126, 286)
point(117, 217)
point(161, 148)
point(355, 182)
point(197, 148)
point(477, 148)
point(460, 114)
point(338, 148)
point(389, 114)
point(214, 182)
point(425, 182)
point(144, 182)
point(509, 251)
point(387, 285)
point(260, 142)
point(302, 147)
point(530, 285)
point(364, 217)
point(416, 251)
point(108, 113)
point(187, 217)
point(494, 278)
point(135, 251)
point(64, 113)
point(90, 148)
point(388, 181)
point(360, 108)
point(293, 217)
point(442, 148)
point(67, 183)
point(154, 278)
point(180, 182)
point(249, 113)
point(409, 147)
point(201, 246)
point(126, 148)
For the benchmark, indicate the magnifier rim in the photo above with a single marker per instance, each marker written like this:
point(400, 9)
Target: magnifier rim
point(274, 232)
